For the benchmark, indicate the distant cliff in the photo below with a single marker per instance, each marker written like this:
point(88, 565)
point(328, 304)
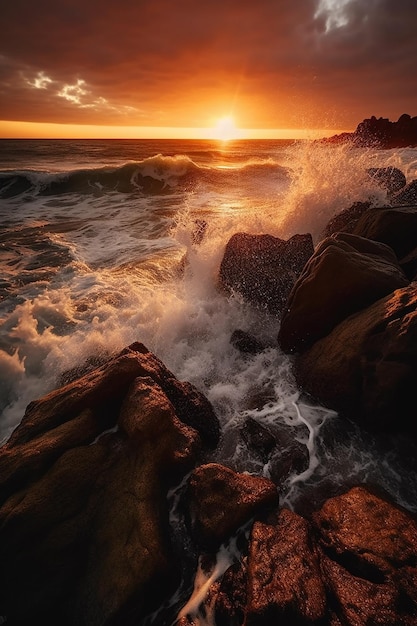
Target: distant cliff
point(382, 133)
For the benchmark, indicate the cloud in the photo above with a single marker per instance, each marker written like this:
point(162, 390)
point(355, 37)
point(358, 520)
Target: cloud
point(171, 63)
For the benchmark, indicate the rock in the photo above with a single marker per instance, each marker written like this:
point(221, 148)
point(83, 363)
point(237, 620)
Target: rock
point(84, 520)
point(258, 439)
point(370, 558)
point(284, 577)
point(366, 367)
point(381, 133)
point(263, 268)
point(354, 562)
point(347, 273)
point(390, 178)
point(346, 220)
point(406, 196)
point(221, 501)
point(231, 599)
point(246, 343)
point(395, 226)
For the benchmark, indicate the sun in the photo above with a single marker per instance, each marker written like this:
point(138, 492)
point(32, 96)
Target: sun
point(225, 129)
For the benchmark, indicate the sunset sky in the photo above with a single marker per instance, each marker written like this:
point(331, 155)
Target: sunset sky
point(157, 67)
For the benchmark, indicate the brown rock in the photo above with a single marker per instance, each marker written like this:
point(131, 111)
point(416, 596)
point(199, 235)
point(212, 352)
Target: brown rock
point(221, 501)
point(77, 413)
point(366, 367)
point(347, 273)
point(263, 268)
point(395, 226)
point(284, 577)
point(371, 558)
point(84, 529)
point(231, 599)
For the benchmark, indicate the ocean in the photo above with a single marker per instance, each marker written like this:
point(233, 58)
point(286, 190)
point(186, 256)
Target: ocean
point(98, 249)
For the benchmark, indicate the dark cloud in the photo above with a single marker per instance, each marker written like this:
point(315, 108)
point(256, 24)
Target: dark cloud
point(158, 62)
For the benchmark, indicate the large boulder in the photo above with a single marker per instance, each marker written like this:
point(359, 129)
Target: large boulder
point(394, 226)
point(366, 368)
point(347, 273)
point(84, 520)
point(263, 268)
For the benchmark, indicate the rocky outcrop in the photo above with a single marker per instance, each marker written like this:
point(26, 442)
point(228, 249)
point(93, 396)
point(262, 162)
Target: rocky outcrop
point(347, 273)
point(354, 562)
point(84, 531)
point(366, 367)
point(381, 133)
point(263, 268)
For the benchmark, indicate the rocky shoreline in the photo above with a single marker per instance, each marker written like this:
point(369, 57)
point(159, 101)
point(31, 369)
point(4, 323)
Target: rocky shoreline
point(381, 133)
point(86, 530)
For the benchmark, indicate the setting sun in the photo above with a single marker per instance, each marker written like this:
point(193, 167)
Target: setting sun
point(225, 129)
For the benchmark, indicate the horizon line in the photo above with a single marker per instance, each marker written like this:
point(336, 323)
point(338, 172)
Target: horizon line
point(50, 130)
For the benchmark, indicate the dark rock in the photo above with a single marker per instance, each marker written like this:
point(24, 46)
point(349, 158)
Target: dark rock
point(221, 501)
point(406, 196)
point(347, 273)
point(244, 342)
point(263, 268)
point(394, 226)
point(346, 220)
point(366, 367)
point(381, 133)
point(284, 577)
point(84, 520)
point(390, 178)
point(257, 438)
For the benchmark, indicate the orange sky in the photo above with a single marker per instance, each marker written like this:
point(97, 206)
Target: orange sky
point(161, 68)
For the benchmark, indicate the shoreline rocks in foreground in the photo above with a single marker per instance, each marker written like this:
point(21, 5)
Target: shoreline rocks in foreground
point(86, 532)
point(86, 536)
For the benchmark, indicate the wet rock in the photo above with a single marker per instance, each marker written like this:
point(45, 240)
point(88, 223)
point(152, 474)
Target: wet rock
point(366, 367)
point(406, 196)
point(84, 520)
point(347, 273)
point(258, 439)
point(369, 558)
point(284, 577)
point(221, 501)
point(263, 268)
point(346, 220)
point(231, 599)
point(246, 343)
point(395, 226)
point(390, 178)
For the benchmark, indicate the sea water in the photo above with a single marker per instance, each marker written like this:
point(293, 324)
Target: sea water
point(98, 250)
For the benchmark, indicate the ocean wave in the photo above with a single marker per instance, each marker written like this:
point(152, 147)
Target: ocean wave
point(152, 176)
